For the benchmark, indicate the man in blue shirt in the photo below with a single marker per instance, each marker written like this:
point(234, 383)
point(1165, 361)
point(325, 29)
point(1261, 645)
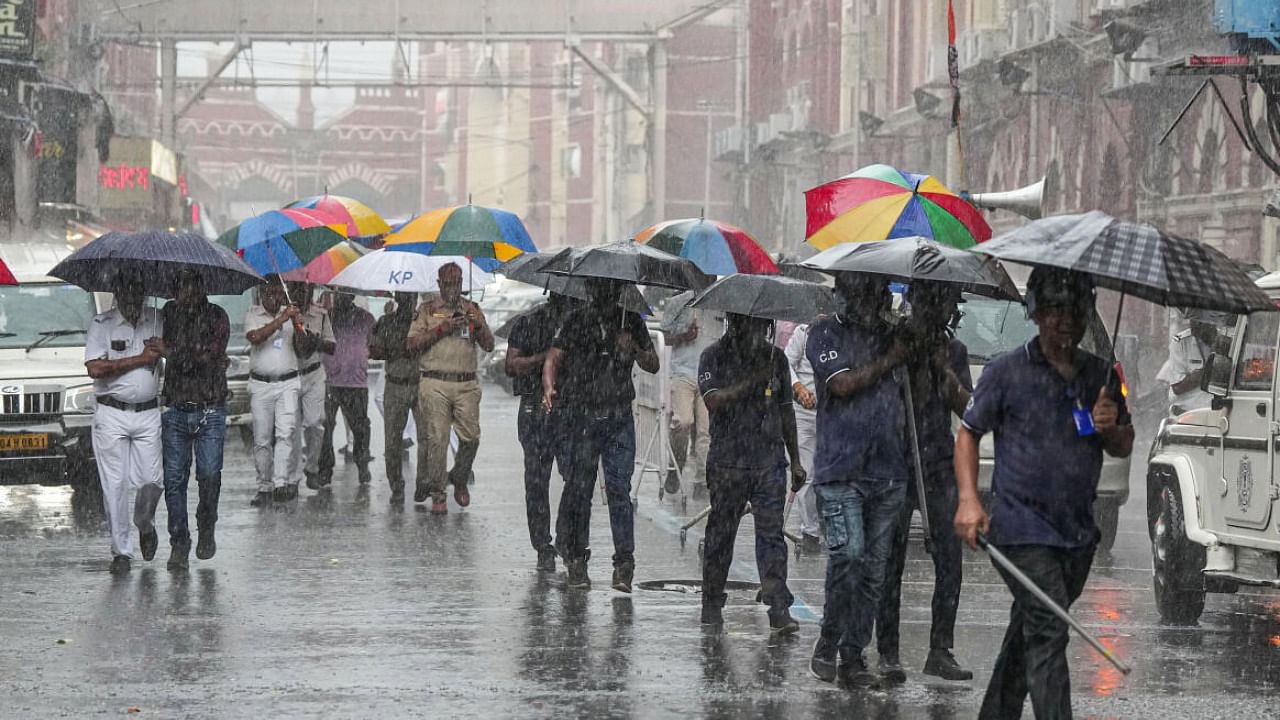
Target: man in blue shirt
point(860, 468)
point(746, 384)
point(1054, 410)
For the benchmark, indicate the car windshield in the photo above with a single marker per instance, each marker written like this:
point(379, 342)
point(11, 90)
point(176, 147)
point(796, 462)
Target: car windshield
point(236, 307)
point(28, 310)
point(990, 327)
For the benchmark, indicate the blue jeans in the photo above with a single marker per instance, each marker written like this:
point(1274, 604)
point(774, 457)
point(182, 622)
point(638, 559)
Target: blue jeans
point(591, 440)
point(859, 519)
point(186, 433)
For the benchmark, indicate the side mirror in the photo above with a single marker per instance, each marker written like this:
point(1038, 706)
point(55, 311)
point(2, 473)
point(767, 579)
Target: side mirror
point(1216, 376)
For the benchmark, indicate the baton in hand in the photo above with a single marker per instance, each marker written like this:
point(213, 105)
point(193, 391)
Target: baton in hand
point(1026, 582)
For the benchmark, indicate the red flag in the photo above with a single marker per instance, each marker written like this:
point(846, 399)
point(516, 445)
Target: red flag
point(953, 64)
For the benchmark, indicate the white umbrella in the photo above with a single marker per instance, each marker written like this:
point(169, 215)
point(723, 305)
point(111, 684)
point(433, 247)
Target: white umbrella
point(398, 271)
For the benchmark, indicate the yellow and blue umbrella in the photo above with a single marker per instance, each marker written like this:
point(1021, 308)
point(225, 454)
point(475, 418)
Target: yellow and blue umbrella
point(488, 236)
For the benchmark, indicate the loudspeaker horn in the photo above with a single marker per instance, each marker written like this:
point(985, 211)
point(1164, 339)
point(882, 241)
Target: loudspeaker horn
point(1027, 202)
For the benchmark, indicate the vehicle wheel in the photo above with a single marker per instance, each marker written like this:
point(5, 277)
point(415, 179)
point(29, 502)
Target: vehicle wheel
point(1177, 563)
point(1106, 512)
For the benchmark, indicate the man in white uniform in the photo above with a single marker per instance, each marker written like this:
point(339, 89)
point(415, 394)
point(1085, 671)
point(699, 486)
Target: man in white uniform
point(271, 329)
point(688, 332)
point(121, 353)
point(806, 403)
point(317, 340)
point(1188, 351)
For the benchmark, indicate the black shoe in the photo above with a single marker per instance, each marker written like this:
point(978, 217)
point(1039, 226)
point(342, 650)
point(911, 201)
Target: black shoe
point(853, 672)
point(891, 670)
point(406, 443)
point(421, 494)
point(712, 615)
point(206, 546)
point(672, 484)
point(280, 494)
point(120, 565)
point(178, 556)
point(941, 663)
point(810, 544)
point(262, 498)
point(149, 542)
point(823, 663)
point(397, 496)
point(547, 559)
point(622, 576)
point(324, 480)
point(291, 491)
point(313, 481)
point(781, 623)
point(578, 578)
point(365, 476)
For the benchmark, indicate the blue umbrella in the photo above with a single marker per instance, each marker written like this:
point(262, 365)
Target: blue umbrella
point(158, 257)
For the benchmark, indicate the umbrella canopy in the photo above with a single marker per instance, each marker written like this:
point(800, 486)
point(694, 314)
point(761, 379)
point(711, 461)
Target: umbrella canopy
point(716, 248)
point(360, 220)
point(329, 263)
point(629, 261)
point(279, 241)
point(528, 268)
point(1135, 259)
point(909, 260)
point(767, 296)
point(486, 235)
point(6, 275)
point(158, 257)
point(388, 271)
point(880, 202)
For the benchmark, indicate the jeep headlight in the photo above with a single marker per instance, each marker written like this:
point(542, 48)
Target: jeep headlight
point(79, 399)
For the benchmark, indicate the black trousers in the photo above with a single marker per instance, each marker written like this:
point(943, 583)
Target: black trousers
point(940, 502)
point(354, 404)
point(731, 489)
point(1033, 657)
point(537, 436)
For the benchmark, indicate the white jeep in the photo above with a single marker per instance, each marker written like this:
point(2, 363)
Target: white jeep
point(1212, 489)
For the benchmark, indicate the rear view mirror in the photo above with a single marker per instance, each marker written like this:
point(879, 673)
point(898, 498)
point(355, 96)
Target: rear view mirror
point(1216, 377)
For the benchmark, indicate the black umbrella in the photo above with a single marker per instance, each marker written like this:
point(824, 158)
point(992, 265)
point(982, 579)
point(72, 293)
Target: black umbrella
point(1134, 259)
point(158, 257)
point(528, 268)
point(913, 259)
point(629, 261)
point(767, 296)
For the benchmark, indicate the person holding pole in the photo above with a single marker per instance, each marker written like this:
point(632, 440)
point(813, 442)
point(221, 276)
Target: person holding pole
point(1054, 409)
point(272, 328)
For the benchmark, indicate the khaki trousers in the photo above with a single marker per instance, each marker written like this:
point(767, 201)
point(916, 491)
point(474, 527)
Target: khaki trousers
point(445, 405)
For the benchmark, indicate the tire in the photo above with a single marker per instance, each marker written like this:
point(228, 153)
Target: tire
point(1106, 512)
point(1178, 564)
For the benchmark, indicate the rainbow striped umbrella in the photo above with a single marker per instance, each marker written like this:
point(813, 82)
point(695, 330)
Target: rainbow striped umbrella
point(279, 241)
point(880, 202)
point(716, 248)
point(329, 263)
point(361, 221)
point(488, 236)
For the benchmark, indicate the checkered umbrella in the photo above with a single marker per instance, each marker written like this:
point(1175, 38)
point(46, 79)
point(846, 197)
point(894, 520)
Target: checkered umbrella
point(1135, 259)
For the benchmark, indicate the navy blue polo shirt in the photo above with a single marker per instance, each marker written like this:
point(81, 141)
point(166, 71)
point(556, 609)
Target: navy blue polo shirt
point(746, 434)
point(1046, 474)
point(933, 415)
point(531, 333)
point(595, 376)
point(863, 435)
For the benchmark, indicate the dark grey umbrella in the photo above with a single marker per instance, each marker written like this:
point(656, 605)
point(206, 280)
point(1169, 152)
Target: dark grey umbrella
point(157, 257)
point(528, 268)
point(912, 259)
point(1134, 259)
point(767, 296)
point(629, 261)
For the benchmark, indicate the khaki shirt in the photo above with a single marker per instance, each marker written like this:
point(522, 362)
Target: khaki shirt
point(452, 353)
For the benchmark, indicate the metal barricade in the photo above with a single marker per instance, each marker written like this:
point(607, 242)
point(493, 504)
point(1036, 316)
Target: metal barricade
point(652, 413)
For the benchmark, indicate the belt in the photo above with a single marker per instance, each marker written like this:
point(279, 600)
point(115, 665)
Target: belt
point(403, 381)
point(271, 379)
point(449, 376)
point(111, 402)
point(309, 369)
point(190, 407)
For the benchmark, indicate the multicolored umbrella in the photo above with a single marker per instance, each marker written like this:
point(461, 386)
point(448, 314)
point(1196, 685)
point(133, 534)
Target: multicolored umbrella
point(390, 271)
point(360, 220)
point(488, 236)
point(278, 241)
point(329, 263)
point(880, 202)
point(716, 248)
point(6, 275)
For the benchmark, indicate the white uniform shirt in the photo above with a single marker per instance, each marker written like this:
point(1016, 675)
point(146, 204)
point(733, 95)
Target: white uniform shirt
point(316, 320)
point(677, 321)
point(801, 370)
point(275, 356)
point(1185, 357)
point(110, 337)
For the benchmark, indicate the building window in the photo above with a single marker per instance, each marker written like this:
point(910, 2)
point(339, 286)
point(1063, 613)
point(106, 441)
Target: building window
point(571, 161)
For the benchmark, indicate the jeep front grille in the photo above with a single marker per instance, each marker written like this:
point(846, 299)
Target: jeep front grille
point(32, 401)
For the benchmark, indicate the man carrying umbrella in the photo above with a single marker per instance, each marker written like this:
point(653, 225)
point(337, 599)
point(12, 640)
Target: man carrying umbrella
point(860, 465)
point(1055, 410)
point(527, 348)
point(445, 333)
point(196, 332)
point(122, 349)
point(400, 398)
point(746, 383)
point(316, 339)
point(273, 327)
point(587, 378)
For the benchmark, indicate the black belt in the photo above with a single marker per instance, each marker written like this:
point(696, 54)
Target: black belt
point(309, 369)
point(111, 402)
point(402, 381)
point(271, 379)
point(190, 407)
point(448, 376)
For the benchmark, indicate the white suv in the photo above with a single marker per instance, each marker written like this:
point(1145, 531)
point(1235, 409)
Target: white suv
point(1211, 484)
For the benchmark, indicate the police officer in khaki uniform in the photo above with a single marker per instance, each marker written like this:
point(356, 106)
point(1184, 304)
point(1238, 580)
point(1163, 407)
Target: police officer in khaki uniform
point(446, 332)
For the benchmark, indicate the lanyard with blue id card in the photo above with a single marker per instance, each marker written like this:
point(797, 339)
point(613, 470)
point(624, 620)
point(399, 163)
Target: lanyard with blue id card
point(1082, 415)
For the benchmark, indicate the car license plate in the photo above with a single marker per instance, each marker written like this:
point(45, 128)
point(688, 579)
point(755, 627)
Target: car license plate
point(24, 441)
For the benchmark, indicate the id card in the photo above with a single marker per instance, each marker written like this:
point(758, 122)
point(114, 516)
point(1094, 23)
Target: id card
point(278, 343)
point(1084, 421)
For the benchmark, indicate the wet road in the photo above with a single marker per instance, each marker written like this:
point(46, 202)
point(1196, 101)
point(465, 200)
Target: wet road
point(339, 605)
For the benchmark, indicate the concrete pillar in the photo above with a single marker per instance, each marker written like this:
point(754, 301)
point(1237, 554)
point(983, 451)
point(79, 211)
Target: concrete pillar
point(169, 92)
